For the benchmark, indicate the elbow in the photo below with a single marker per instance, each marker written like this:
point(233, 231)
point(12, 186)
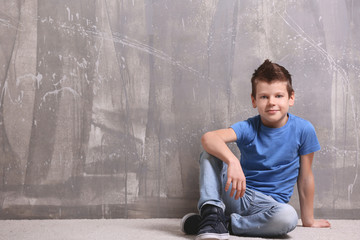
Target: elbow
point(205, 139)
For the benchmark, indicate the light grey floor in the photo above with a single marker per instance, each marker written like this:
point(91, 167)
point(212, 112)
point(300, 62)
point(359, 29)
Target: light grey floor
point(145, 229)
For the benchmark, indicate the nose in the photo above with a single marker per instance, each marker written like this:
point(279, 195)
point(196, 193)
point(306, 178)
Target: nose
point(271, 101)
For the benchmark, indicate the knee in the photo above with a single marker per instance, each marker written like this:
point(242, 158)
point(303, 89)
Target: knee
point(203, 156)
point(209, 163)
point(286, 219)
point(206, 157)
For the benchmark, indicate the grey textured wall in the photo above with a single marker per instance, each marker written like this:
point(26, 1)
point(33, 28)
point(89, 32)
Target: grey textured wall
point(103, 102)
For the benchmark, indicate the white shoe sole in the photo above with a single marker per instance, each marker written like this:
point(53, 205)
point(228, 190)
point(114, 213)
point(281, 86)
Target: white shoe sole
point(213, 236)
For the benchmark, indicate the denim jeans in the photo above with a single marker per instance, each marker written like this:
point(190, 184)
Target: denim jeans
point(255, 214)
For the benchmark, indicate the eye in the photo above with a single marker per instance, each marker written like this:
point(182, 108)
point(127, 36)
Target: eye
point(279, 96)
point(263, 97)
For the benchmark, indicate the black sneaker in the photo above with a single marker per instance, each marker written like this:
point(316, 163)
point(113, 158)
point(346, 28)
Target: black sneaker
point(190, 223)
point(214, 224)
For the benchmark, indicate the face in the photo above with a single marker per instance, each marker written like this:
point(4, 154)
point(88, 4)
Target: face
point(273, 102)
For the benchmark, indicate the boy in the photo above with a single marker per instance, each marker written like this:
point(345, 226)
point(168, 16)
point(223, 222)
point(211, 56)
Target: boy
point(277, 150)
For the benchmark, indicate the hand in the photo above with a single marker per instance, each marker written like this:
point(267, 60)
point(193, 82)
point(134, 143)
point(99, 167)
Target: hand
point(236, 177)
point(318, 223)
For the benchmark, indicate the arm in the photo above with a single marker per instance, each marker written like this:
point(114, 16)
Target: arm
point(306, 190)
point(215, 144)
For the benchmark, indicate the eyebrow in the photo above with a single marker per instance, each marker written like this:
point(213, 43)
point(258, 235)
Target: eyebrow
point(278, 92)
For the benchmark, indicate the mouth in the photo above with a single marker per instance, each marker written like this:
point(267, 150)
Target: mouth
point(272, 111)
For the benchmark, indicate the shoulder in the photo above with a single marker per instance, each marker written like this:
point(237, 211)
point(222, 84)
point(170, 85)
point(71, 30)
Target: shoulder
point(302, 124)
point(246, 129)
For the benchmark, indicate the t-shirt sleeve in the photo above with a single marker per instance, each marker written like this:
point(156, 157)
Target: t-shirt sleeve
point(243, 131)
point(309, 140)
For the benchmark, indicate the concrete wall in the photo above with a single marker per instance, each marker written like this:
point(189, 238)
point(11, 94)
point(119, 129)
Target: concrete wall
point(103, 103)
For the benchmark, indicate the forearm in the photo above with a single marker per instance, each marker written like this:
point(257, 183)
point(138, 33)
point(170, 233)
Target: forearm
point(215, 143)
point(306, 195)
point(306, 190)
point(217, 147)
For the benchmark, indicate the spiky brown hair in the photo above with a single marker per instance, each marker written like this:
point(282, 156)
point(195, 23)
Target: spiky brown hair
point(269, 72)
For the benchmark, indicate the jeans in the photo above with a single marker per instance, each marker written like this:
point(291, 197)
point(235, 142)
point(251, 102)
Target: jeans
point(255, 214)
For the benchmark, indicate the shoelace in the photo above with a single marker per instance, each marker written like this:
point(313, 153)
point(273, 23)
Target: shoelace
point(212, 220)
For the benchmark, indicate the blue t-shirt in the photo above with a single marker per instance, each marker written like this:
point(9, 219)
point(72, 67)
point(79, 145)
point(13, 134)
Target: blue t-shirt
point(270, 157)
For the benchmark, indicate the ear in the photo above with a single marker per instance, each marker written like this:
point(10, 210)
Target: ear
point(292, 99)
point(253, 101)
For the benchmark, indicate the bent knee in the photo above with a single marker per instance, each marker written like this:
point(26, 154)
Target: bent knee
point(286, 219)
point(205, 156)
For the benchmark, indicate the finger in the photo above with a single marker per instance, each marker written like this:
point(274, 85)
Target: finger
point(233, 189)
point(322, 223)
point(238, 191)
point(326, 224)
point(227, 185)
point(243, 189)
point(237, 196)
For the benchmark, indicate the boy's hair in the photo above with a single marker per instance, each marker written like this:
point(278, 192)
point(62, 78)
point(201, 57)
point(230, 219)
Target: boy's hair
point(269, 72)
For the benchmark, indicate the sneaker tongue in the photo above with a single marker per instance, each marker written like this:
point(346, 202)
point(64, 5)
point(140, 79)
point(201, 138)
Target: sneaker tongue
point(211, 217)
point(209, 209)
